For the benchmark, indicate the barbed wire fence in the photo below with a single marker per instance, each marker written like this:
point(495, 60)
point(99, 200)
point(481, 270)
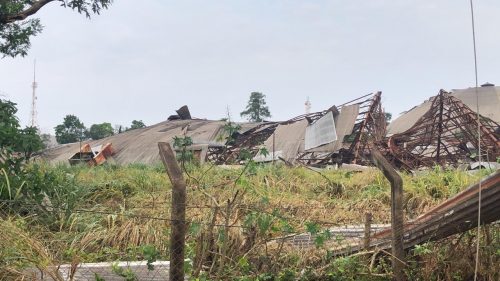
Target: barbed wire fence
point(208, 241)
point(339, 239)
point(229, 233)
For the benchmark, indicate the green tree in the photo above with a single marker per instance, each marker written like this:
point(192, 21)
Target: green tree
point(388, 117)
point(71, 130)
point(136, 124)
point(100, 131)
point(256, 109)
point(16, 28)
point(9, 125)
point(26, 141)
point(29, 142)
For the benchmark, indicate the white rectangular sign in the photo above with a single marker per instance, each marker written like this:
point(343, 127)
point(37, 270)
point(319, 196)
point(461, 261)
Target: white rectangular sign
point(321, 132)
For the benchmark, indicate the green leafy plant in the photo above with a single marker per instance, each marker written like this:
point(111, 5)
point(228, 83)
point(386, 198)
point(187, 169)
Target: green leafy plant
point(98, 277)
point(244, 155)
point(230, 129)
point(150, 254)
point(264, 152)
point(322, 237)
point(422, 249)
point(127, 273)
point(180, 145)
point(345, 268)
point(312, 227)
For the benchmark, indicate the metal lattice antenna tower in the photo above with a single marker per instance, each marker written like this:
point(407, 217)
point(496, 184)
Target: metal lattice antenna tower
point(308, 106)
point(34, 85)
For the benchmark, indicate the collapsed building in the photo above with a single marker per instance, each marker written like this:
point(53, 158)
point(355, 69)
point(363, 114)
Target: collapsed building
point(141, 145)
point(444, 130)
point(441, 131)
point(340, 134)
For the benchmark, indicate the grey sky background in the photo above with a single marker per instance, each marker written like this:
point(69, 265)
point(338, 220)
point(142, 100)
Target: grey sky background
point(144, 59)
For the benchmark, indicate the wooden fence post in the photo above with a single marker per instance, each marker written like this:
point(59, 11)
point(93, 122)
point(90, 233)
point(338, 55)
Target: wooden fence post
point(398, 254)
point(368, 223)
point(178, 212)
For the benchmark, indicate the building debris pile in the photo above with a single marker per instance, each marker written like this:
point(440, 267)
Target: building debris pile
point(441, 131)
point(447, 134)
point(93, 156)
point(361, 123)
point(328, 137)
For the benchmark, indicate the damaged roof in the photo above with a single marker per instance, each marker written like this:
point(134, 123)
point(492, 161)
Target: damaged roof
point(141, 145)
point(355, 121)
point(446, 134)
point(489, 106)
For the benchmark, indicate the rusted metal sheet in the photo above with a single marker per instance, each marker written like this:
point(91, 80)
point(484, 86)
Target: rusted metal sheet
point(105, 152)
point(455, 215)
point(93, 156)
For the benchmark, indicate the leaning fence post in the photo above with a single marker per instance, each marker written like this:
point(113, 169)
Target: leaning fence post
point(398, 254)
point(368, 222)
point(178, 212)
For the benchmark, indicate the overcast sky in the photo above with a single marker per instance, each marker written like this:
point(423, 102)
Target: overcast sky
point(144, 59)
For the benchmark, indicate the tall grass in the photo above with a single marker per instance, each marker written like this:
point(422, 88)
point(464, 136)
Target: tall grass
point(112, 212)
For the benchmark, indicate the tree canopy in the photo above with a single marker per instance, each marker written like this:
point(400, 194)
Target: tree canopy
point(25, 141)
point(388, 117)
point(71, 130)
point(16, 28)
point(29, 142)
point(9, 125)
point(256, 109)
point(136, 124)
point(100, 131)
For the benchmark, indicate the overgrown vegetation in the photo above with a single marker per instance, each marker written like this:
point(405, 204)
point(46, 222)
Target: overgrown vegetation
point(59, 214)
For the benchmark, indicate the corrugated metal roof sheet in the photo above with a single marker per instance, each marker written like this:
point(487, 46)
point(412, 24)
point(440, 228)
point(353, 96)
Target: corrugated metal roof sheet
point(141, 145)
point(489, 100)
point(288, 139)
point(408, 119)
